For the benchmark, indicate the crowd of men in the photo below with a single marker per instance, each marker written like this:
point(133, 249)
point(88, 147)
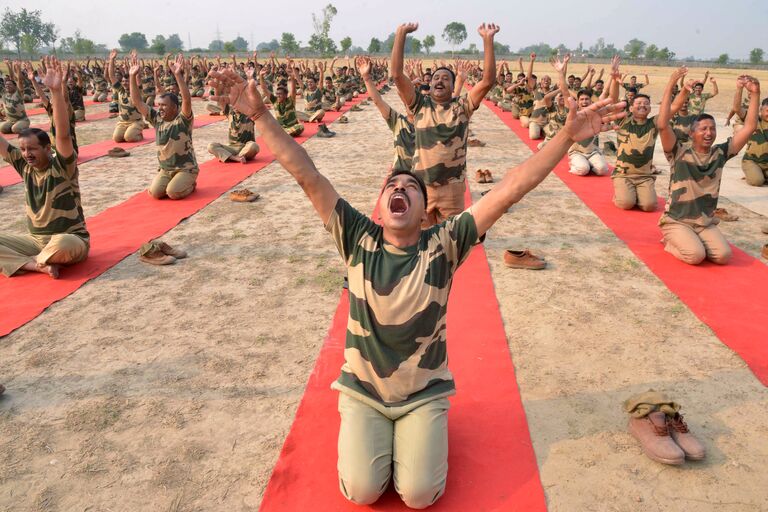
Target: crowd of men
point(395, 380)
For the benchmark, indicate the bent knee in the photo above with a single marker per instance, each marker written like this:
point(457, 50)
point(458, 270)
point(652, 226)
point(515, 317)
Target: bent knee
point(722, 257)
point(647, 207)
point(755, 181)
point(362, 490)
point(692, 256)
point(624, 204)
point(156, 193)
point(420, 495)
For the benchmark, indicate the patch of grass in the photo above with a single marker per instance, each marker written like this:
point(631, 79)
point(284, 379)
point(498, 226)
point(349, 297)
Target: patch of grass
point(96, 416)
point(238, 233)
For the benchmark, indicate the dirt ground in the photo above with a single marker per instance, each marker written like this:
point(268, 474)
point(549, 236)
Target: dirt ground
point(172, 388)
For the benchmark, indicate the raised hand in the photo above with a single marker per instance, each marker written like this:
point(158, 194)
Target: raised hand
point(678, 74)
point(177, 67)
point(590, 121)
point(408, 28)
point(533, 55)
point(689, 85)
point(135, 65)
point(54, 76)
point(560, 65)
point(363, 66)
point(239, 94)
point(488, 30)
point(113, 54)
point(615, 73)
point(751, 84)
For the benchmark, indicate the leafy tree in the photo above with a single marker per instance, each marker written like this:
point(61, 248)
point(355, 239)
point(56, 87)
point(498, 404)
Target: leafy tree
point(346, 44)
point(634, 48)
point(415, 45)
point(271, 46)
point(723, 58)
point(374, 46)
point(240, 44)
point(652, 52)
point(26, 29)
point(288, 43)
point(756, 55)
point(320, 41)
point(666, 54)
point(501, 49)
point(174, 43)
point(217, 45)
point(454, 33)
point(230, 47)
point(133, 41)
point(78, 45)
point(539, 49)
point(428, 43)
point(159, 44)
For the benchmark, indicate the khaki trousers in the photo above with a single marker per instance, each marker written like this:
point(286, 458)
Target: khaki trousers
point(692, 244)
point(631, 191)
point(79, 115)
point(371, 444)
point(100, 97)
point(311, 117)
point(16, 251)
point(581, 164)
point(224, 152)
point(525, 121)
point(128, 131)
point(444, 201)
point(14, 126)
point(176, 184)
point(535, 131)
point(755, 174)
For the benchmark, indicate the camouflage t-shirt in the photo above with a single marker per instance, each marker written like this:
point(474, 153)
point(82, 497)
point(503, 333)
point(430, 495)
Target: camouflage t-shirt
point(127, 111)
point(241, 130)
point(285, 112)
point(555, 121)
point(72, 132)
point(586, 147)
point(681, 125)
point(696, 104)
point(313, 100)
point(76, 94)
point(405, 140)
point(14, 106)
point(637, 86)
point(440, 156)
point(174, 142)
point(757, 147)
point(148, 85)
point(52, 196)
point(636, 143)
point(395, 353)
point(694, 183)
point(524, 101)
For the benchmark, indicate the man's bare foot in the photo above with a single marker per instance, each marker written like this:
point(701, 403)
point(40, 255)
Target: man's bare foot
point(51, 270)
point(238, 158)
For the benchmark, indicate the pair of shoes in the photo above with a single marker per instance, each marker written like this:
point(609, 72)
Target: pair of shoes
point(343, 120)
point(243, 195)
point(666, 439)
point(118, 152)
point(483, 176)
point(475, 143)
point(324, 133)
point(160, 253)
point(722, 214)
point(524, 259)
point(355, 108)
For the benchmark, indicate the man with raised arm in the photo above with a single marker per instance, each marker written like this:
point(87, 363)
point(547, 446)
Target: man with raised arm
point(697, 101)
point(48, 106)
point(689, 224)
point(129, 124)
point(57, 234)
point(395, 379)
point(16, 119)
point(754, 163)
point(178, 171)
point(441, 123)
point(401, 126)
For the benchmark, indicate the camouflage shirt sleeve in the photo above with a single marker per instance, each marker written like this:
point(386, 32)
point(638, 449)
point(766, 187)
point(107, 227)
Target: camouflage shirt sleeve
point(346, 225)
point(69, 164)
point(152, 117)
point(418, 101)
point(16, 159)
point(460, 234)
point(392, 119)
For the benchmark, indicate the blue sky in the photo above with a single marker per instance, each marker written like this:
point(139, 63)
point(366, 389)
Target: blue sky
point(702, 29)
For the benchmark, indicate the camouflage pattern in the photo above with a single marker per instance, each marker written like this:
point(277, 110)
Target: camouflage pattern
point(555, 121)
point(696, 104)
point(241, 129)
point(636, 143)
point(681, 125)
point(100, 84)
point(441, 131)
point(540, 112)
point(76, 94)
point(313, 100)
point(72, 132)
point(586, 147)
point(757, 146)
point(694, 184)
point(13, 104)
point(395, 351)
point(285, 113)
point(52, 196)
point(329, 96)
point(627, 86)
point(524, 100)
point(405, 140)
point(125, 107)
point(174, 142)
point(148, 86)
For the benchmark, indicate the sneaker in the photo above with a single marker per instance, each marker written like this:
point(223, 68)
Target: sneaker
point(692, 447)
point(722, 214)
point(152, 254)
point(475, 143)
point(170, 251)
point(524, 259)
point(653, 434)
point(243, 195)
point(118, 152)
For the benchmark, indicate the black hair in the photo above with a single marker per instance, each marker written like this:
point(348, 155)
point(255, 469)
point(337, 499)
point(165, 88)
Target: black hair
point(282, 88)
point(42, 135)
point(174, 99)
point(584, 92)
point(764, 103)
point(699, 118)
point(453, 75)
point(533, 76)
point(638, 96)
point(633, 90)
point(571, 76)
point(418, 179)
point(599, 82)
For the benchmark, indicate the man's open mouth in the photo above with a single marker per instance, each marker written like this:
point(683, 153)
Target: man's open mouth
point(398, 204)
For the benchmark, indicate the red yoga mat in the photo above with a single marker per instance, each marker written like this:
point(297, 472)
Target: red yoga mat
point(731, 299)
point(122, 229)
point(9, 176)
point(492, 465)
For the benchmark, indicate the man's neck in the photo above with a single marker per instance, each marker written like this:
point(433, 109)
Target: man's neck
point(400, 238)
point(639, 120)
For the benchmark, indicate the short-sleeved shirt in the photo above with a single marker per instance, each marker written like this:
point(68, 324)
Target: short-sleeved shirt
point(404, 140)
point(555, 121)
point(586, 147)
point(14, 106)
point(524, 100)
point(636, 143)
point(72, 131)
point(241, 129)
point(285, 112)
point(681, 125)
point(628, 86)
point(757, 147)
point(100, 83)
point(694, 183)
point(174, 142)
point(696, 104)
point(125, 108)
point(52, 195)
point(313, 100)
point(395, 353)
point(76, 94)
point(440, 155)
point(148, 85)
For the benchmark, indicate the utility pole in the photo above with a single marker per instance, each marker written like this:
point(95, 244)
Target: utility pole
point(189, 42)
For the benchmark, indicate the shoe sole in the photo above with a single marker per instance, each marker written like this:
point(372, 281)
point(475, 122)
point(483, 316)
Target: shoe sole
point(523, 267)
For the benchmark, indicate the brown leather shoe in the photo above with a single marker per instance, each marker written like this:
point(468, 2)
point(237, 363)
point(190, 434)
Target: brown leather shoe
point(170, 251)
point(118, 152)
point(524, 259)
point(475, 143)
point(653, 434)
point(152, 254)
point(722, 214)
point(480, 176)
point(488, 176)
point(243, 195)
point(692, 447)
point(764, 252)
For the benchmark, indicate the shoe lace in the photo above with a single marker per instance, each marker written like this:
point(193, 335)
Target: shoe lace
point(678, 424)
point(659, 430)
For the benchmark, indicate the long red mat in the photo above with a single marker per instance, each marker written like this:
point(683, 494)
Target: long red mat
point(731, 299)
point(9, 176)
point(122, 229)
point(491, 458)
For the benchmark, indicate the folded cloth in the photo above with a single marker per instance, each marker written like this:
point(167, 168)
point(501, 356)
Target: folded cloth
point(642, 404)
